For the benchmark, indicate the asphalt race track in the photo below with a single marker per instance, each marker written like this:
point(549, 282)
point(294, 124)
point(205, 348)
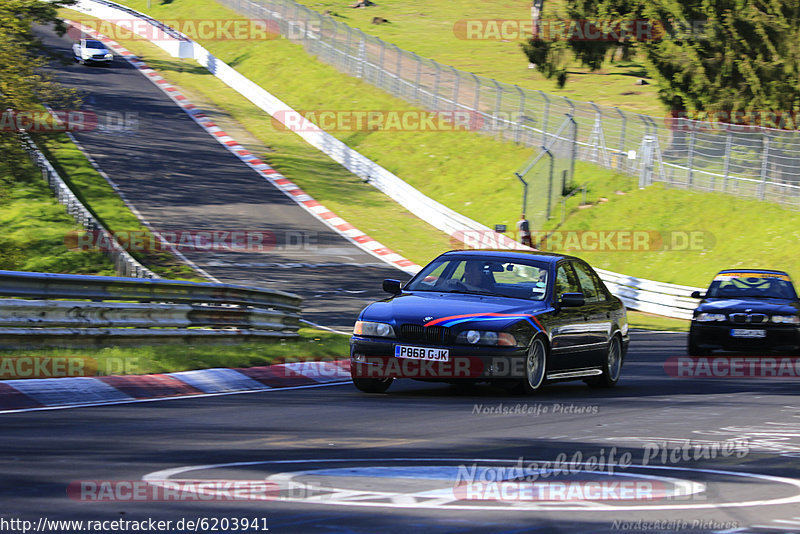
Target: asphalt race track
point(666, 454)
point(180, 178)
point(346, 462)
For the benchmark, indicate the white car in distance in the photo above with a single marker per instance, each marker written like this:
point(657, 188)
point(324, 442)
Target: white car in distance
point(91, 51)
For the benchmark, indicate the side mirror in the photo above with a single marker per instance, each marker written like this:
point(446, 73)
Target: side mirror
point(392, 286)
point(572, 300)
point(697, 295)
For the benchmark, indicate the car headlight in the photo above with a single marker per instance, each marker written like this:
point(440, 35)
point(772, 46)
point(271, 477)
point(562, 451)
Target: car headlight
point(368, 328)
point(710, 317)
point(482, 337)
point(109, 56)
point(785, 319)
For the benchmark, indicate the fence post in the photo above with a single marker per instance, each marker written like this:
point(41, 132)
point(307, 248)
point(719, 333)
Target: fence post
point(362, 55)
point(476, 105)
point(417, 78)
point(347, 54)
point(380, 67)
point(546, 115)
point(764, 165)
point(727, 162)
point(398, 70)
point(518, 134)
point(436, 81)
point(690, 160)
point(456, 82)
point(574, 154)
point(622, 153)
point(550, 183)
point(497, 103)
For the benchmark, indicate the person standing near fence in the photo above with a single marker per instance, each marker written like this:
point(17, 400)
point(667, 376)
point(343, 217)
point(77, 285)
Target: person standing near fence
point(524, 230)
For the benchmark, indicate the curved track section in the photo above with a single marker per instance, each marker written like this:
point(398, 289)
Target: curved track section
point(180, 179)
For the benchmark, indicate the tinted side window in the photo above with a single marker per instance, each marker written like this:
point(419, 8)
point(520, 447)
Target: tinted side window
point(566, 281)
point(590, 284)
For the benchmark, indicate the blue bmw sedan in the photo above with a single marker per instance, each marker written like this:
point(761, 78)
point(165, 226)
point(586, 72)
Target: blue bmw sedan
point(514, 319)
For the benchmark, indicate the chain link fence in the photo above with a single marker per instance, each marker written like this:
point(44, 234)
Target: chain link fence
point(746, 161)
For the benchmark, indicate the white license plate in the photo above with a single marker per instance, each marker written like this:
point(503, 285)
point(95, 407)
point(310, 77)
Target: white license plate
point(421, 353)
point(743, 332)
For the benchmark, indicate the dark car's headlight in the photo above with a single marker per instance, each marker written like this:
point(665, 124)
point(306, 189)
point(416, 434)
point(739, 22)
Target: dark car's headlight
point(710, 317)
point(368, 328)
point(483, 337)
point(785, 319)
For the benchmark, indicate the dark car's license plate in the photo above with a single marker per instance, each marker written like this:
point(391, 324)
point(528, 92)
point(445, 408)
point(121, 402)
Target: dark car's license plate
point(421, 353)
point(745, 332)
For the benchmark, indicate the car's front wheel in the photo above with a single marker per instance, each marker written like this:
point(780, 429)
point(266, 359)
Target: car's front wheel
point(535, 369)
point(372, 385)
point(612, 366)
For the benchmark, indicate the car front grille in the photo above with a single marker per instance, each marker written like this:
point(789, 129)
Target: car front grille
point(742, 318)
point(438, 335)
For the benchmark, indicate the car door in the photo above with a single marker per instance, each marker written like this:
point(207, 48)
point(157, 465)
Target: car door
point(570, 340)
point(598, 308)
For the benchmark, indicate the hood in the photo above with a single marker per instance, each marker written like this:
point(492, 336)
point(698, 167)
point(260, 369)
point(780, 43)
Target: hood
point(444, 309)
point(755, 305)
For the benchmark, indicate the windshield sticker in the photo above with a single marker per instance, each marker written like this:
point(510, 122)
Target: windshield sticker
point(728, 276)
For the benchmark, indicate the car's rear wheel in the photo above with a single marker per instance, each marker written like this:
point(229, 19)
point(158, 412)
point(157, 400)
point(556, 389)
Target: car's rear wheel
point(612, 366)
point(535, 369)
point(373, 385)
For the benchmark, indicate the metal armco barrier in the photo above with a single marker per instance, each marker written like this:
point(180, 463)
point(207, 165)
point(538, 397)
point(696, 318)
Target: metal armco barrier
point(669, 300)
point(105, 310)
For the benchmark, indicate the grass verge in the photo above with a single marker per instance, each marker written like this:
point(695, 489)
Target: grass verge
point(36, 229)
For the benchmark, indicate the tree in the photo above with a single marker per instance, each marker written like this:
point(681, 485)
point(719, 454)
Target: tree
point(22, 84)
point(711, 55)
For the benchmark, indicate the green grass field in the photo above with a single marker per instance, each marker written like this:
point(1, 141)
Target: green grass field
point(431, 29)
point(36, 230)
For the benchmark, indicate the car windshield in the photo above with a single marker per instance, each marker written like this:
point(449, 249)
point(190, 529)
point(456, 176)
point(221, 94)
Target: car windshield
point(483, 276)
point(752, 285)
point(95, 44)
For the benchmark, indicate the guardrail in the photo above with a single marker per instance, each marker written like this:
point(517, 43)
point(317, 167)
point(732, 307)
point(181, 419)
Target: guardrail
point(669, 300)
point(124, 263)
point(638, 294)
point(79, 310)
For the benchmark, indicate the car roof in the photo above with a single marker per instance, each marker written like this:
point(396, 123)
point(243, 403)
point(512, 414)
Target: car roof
point(770, 271)
point(546, 257)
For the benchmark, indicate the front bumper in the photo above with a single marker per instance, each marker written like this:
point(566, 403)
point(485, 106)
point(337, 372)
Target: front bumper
point(374, 358)
point(781, 338)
